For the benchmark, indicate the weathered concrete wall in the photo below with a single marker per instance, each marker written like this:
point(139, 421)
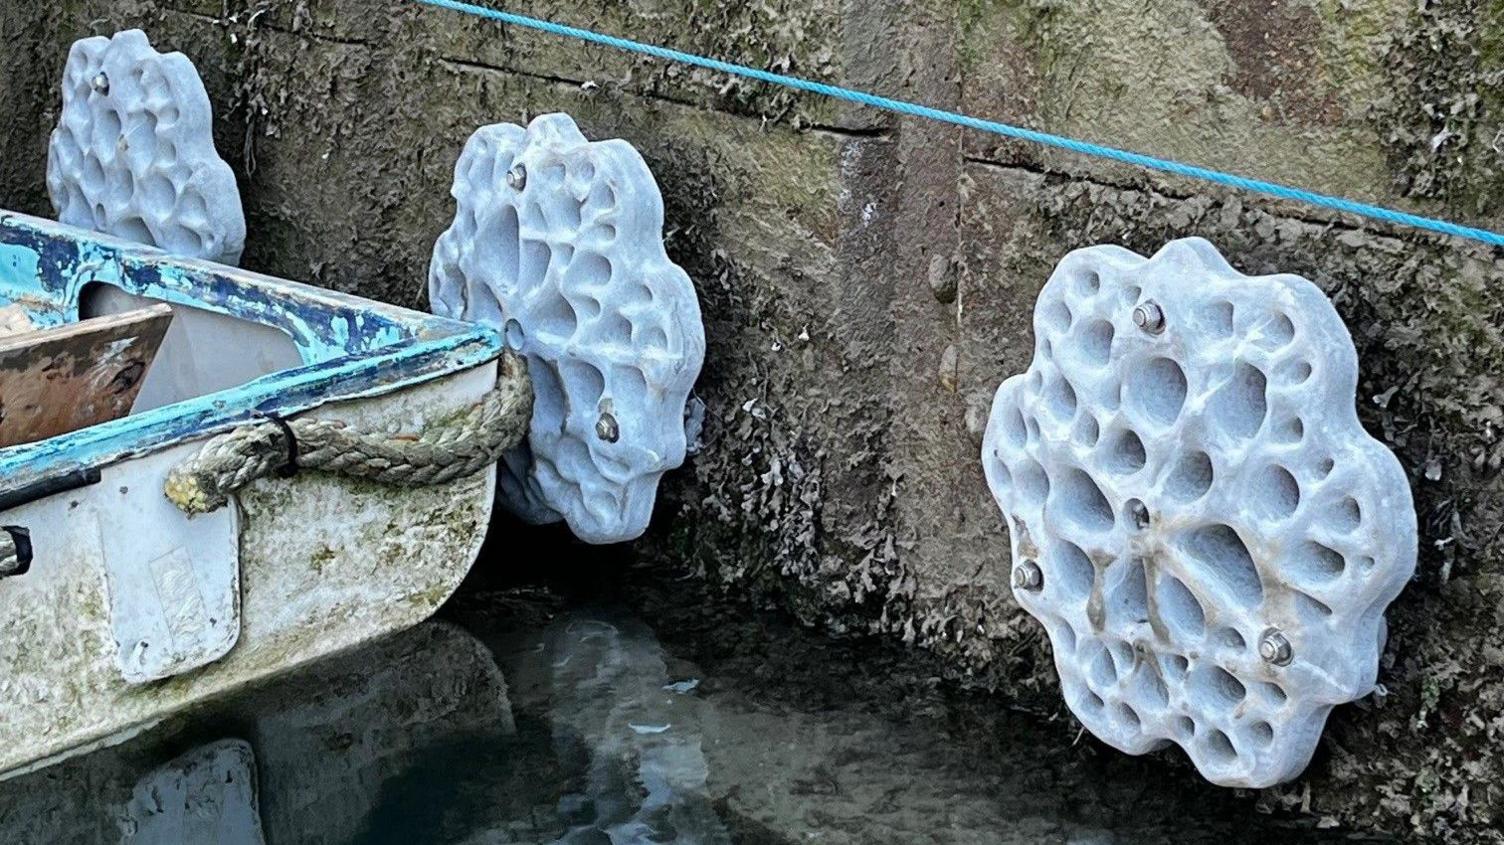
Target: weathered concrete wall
point(867, 282)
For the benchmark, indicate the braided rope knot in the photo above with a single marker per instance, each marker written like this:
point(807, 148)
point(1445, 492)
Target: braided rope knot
point(447, 450)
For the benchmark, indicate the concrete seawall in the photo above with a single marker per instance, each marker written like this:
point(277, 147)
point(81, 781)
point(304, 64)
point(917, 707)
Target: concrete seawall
point(868, 281)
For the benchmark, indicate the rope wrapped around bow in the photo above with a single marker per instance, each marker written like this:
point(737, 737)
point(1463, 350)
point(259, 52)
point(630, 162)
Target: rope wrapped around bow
point(447, 450)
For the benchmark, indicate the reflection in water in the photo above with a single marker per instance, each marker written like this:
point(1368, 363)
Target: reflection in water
point(604, 688)
point(206, 795)
point(303, 760)
point(577, 725)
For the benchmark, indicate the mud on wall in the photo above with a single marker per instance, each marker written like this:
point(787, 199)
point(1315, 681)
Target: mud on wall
point(867, 282)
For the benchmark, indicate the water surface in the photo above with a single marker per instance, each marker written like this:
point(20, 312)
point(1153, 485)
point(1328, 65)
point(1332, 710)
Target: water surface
point(521, 716)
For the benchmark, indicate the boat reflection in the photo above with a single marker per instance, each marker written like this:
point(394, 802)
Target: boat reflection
point(412, 739)
point(310, 758)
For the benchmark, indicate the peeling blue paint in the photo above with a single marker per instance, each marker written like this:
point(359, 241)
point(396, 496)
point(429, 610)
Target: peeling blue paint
point(351, 347)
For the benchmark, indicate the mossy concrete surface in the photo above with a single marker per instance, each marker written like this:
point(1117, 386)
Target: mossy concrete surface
point(868, 281)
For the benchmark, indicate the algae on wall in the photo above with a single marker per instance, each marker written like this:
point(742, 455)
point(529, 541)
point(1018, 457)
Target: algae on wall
point(867, 282)
point(932, 565)
point(1440, 122)
point(25, 96)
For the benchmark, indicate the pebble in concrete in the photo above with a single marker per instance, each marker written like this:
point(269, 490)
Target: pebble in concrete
point(1197, 517)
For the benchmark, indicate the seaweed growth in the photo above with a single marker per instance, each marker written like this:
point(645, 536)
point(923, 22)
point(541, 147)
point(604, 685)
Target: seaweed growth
point(757, 485)
point(1443, 124)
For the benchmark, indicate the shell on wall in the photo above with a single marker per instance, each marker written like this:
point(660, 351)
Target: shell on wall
point(133, 152)
point(558, 242)
point(1197, 516)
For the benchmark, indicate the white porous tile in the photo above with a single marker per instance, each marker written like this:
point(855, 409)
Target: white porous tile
point(133, 153)
point(558, 242)
point(1198, 519)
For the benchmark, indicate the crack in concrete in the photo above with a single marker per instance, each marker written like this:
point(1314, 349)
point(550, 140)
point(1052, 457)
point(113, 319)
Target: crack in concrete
point(1275, 208)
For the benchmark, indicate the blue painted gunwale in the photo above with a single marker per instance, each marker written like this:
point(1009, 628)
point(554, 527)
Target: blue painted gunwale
point(351, 347)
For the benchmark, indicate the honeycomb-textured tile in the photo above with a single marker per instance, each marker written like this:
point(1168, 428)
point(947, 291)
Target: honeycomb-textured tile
point(133, 153)
point(1198, 519)
point(558, 242)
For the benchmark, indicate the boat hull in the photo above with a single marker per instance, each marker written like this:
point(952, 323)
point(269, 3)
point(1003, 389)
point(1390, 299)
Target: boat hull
point(325, 564)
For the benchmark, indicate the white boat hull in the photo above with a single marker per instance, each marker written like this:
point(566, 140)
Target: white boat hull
point(326, 564)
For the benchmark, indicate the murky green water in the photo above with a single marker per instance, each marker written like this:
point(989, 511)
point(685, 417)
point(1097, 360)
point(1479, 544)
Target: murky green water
point(524, 717)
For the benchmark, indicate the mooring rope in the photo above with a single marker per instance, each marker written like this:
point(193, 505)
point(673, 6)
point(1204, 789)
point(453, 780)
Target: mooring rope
point(15, 551)
point(446, 451)
point(1074, 145)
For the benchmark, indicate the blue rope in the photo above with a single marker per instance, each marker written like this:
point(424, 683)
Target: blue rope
point(1387, 215)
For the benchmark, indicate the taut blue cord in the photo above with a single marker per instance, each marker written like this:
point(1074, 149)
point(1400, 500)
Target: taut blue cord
point(1387, 215)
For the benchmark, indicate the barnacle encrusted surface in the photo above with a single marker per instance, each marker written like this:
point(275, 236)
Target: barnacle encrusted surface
point(133, 153)
point(1193, 492)
point(558, 242)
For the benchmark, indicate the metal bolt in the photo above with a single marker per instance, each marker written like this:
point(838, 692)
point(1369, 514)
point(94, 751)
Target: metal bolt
point(1028, 576)
point(100, 83)
point(1275, 648)
point(607, 429)
point(1149, 317)
point(517, 177)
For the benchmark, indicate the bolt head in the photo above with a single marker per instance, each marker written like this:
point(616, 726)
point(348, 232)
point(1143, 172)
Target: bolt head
point(1028, 576)
point(607, 429)
point(100, 83)
point(1149, 317)
point(517, 177)
point(1275, 648)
